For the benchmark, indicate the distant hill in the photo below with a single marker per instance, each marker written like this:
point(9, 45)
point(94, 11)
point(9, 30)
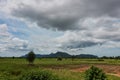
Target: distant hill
point(60, 54)
point(63, 54)
point(52, 55)
point(86, 56)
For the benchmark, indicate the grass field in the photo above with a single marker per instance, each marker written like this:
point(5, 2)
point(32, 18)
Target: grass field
point(12, 69)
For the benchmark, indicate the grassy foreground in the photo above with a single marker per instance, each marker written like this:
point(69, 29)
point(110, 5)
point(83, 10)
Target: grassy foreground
point(12, 69)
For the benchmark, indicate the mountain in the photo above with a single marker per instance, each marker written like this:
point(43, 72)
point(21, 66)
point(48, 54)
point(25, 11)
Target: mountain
point(86, 56)
point(63, 55)
point(60, 54)
point(52, 55)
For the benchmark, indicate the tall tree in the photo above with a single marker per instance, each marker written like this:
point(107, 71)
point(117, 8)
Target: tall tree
point(31, 57)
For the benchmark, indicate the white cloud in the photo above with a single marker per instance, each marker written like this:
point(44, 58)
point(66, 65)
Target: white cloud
point(10, 43)
point(97, 32)
point(4, 30)
point(64, 14)
point(85, 23)
point(111, 44)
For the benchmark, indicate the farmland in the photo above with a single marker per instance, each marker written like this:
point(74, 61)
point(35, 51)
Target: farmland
point(67, 69)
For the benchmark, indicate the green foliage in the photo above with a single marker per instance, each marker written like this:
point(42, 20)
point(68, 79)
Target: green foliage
point(13, 57)
point(59, 59)
point(95, 73)
point(100, 59)
point(31, 57)
point(13, 69)
point(73, 57)
point(15, 72)
point(4, 76)
point(39, 75)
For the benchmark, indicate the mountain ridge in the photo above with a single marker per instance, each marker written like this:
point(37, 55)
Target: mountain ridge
point(63, 55)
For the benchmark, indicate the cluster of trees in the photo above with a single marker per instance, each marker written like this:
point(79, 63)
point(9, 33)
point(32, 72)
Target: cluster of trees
point(111, 57)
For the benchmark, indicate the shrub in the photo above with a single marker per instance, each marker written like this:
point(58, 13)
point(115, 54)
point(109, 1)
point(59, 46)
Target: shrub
point(59, 59)
point(95, 73)
point(4, 75)
point(100, 59)
point(39, 75)
point(15, 72)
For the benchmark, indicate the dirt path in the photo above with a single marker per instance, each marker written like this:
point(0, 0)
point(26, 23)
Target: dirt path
point(110, 69)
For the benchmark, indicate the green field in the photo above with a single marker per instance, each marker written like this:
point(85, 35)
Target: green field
point(12, 69)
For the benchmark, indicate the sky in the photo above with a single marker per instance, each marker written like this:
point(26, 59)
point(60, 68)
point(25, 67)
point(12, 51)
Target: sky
point(48, 26)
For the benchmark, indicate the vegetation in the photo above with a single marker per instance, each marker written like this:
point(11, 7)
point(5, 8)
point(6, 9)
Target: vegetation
point(73, 57)
point(95, 73)
point(110, 57)
point(39, 75)
point(13, 69)
point(59, 59)
point(31, 57)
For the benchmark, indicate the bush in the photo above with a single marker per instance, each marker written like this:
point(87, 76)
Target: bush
point(15, 72)
point(95, 73)
point(4, 75)
point(39, 75)
point(59, 59)
point(100, 59)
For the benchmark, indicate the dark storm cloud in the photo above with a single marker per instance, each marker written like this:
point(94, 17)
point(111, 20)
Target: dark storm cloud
point(79, 44)
point(50, 19)
point(93, 19)
point(66, 16)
